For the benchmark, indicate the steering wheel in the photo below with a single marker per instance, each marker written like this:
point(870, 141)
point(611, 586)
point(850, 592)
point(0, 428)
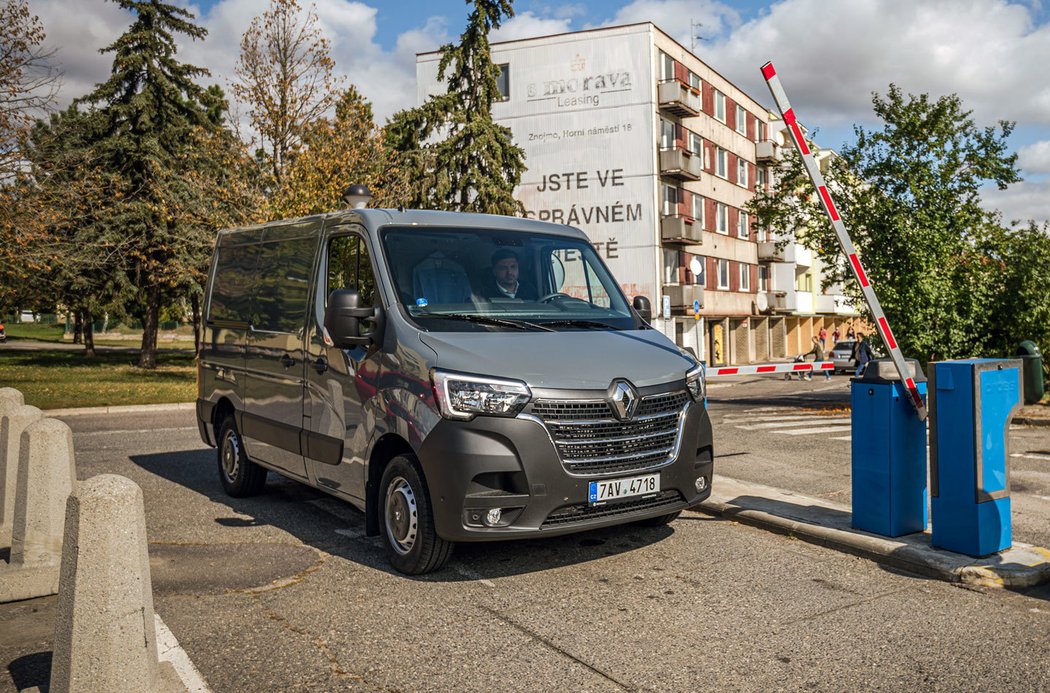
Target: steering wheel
point(551, 297)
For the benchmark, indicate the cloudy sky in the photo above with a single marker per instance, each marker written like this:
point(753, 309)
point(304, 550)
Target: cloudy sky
point(831, 55)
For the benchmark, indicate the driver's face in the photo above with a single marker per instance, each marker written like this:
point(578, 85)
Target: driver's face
point(506, 271)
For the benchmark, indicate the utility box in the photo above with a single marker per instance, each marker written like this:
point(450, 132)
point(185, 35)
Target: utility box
point(889, 452)
point(971, 405)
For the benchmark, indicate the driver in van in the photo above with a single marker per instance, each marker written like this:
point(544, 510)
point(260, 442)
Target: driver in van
point(505, 281)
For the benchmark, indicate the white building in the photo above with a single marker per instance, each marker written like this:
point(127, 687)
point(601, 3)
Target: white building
point(635, 140)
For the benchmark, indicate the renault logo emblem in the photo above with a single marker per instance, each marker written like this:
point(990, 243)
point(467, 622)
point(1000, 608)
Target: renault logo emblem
point(624, 399)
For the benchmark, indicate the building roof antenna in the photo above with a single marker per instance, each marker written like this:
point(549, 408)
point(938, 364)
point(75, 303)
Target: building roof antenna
point(694, 35)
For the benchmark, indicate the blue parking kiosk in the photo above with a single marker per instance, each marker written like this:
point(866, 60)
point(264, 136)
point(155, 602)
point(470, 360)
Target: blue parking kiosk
point(888, 452)
point(972, 402)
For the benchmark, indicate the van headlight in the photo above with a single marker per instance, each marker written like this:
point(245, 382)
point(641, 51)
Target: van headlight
point(694, 382)
point(466, 396)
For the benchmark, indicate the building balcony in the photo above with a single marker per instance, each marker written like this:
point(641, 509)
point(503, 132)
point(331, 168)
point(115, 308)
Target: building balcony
point(679, 229)
point(683, 295)
point(767, 150)
point(677, 98)
point(781, 301)
point(680, 163)
point(773, 251)
point(824, 304)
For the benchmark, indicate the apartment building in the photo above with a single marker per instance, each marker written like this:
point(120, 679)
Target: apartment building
point(654, 154)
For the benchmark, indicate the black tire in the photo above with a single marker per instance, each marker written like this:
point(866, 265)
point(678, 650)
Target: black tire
point(660, 520)
point(240, 476)
point(406, 520)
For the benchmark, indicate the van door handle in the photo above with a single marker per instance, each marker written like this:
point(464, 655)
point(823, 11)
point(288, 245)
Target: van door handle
point(321, 364)
point(287, 361)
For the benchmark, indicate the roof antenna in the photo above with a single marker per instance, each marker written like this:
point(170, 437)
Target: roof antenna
point(694, 35)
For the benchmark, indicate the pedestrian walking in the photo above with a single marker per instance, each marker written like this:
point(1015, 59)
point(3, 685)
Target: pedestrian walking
point(835, 335)
point(818, 355)
point(862, 353)
point(824, 338)
point(850, 334)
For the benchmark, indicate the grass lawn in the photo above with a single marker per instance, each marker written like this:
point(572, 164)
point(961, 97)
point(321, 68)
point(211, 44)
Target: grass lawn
point(63, 379)
point(133, 338)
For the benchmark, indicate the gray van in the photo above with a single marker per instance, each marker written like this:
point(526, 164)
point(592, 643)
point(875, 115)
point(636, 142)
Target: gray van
point(458, 377)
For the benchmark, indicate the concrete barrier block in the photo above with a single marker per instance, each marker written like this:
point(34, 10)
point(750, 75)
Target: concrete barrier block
point(105, 635)
point(10, 396)
point(13, 420)
point(46, 475)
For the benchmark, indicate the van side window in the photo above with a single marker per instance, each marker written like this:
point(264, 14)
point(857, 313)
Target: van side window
point(234, 281)
point(575, 276)
point(349, 266)
point(283, 282)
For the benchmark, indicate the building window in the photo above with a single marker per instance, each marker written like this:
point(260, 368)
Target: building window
point(721, 163)
point(741, 225)
point(666, 134)
point(741, 120)
point(804, 282)
point(503, 82)
point(687, 263)
point(723, 274)
point(761, 130)
point(666, 67)
point(760, 179)
point(696, 143)
point(745, 277)
point(698, 209)
point(670, 199)
point(694, 80)
point(720, 106)
point(763, 278)
point(670, 266)
point(721, 218)
point(741, 172)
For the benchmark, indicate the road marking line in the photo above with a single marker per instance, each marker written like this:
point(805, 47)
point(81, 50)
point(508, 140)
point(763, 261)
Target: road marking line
point(731, 418)
point(1031, 456)
point(169, 650)
point(805, 431)
point(788, 424)
point(471, 575)
point(841, 438)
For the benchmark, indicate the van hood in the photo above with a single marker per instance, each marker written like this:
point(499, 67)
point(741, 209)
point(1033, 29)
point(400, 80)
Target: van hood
point(578, 360)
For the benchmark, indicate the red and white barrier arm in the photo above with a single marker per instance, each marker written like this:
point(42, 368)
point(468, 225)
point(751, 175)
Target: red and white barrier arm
point(764, 368)
point(844, 240)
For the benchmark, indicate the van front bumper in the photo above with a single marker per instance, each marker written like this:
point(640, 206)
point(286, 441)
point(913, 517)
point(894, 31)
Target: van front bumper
point(512, 464)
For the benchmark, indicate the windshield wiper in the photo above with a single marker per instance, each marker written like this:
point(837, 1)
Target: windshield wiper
point(592, 324)
point(489, 320)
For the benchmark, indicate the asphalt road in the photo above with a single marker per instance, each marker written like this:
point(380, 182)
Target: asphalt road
point(796, 436)
point(285, 592)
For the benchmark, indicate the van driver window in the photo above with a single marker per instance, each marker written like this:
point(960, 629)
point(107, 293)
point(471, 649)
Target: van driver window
point(349, 266)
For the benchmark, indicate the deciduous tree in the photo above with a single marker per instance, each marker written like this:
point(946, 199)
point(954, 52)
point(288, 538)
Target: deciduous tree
point(284, 77)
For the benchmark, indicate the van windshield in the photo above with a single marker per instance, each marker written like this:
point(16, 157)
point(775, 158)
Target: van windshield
point(453, 279)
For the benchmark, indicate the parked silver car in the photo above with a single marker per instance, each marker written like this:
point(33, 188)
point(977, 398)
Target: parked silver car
point(842, 355)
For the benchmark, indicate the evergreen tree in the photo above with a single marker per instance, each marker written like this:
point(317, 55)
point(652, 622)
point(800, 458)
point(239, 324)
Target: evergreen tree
point(150, 107)
point(459, 157)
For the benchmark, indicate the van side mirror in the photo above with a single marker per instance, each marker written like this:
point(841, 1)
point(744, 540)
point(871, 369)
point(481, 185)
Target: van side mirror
point(343, 317)
point(643, 308)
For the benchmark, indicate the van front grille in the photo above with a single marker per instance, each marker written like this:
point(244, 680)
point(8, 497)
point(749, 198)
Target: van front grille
point(590, 441)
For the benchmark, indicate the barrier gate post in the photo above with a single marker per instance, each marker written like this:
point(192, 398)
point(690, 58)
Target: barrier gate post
point(883, 326)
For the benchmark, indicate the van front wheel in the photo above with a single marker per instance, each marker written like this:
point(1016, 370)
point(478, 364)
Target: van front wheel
point(407, 520)
point(239, 475)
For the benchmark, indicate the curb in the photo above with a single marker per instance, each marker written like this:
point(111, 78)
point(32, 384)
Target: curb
point(121, 409)
point(826, 524)
point(1031, 420)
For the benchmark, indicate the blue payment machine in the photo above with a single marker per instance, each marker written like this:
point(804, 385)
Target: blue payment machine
point(971, 405)
point(888, 452)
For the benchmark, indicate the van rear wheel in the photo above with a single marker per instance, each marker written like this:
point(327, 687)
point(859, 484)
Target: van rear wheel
point(406, 520)
point(239, 475)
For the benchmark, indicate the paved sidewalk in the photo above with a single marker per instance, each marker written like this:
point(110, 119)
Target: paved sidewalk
point(828, 524)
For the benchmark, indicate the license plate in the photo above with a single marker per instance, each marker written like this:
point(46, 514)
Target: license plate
point(600, 492)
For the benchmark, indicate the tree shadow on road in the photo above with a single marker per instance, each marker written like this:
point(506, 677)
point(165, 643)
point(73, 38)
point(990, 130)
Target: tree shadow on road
point(336, 527)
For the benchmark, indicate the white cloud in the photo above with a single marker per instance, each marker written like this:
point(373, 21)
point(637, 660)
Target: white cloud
point(1029, 199)
point(1035, 158)
point(78, 37)
point(832, 56)
point(679, 18)
point(527, 25)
